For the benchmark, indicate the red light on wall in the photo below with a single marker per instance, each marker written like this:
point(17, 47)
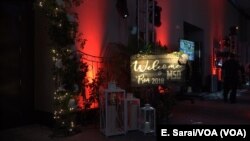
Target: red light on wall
point(80, 101)
point(163, 31)
point(92, 22)
point(214, 71)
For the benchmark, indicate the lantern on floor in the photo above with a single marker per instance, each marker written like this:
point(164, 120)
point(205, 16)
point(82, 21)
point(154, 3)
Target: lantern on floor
point(112, 112)
point(147, 119)
point(132, 112)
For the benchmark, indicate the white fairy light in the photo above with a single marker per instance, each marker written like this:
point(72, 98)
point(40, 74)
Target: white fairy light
point(53, 51)
point(41, 4)
point(54, 58)
point(72, 124)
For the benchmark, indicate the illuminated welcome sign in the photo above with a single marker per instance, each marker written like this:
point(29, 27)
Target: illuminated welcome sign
point(155, 69)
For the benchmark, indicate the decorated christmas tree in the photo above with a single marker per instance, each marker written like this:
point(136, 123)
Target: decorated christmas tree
point(68, 71)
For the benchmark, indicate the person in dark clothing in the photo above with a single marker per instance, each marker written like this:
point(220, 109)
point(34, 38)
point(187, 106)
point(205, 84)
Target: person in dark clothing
point(247, 75)
point(230, 72)
point(242, 76)
point(185, 86)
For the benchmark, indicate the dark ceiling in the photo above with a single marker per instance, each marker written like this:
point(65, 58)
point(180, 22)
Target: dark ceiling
point(243, 6)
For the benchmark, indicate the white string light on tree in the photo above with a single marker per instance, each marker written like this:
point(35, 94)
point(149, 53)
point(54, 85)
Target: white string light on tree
point(68, 71)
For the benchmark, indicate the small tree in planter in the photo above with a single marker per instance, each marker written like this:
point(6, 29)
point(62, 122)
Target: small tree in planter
point(94, 93)
point(95, 86)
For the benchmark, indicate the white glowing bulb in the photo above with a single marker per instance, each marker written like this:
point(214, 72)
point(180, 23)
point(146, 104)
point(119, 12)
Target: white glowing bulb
point(54, 58)
point(72, 124)
point(41, 4)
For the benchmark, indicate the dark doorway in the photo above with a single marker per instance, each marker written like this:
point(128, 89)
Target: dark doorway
point(194, 33)
point(16, 57)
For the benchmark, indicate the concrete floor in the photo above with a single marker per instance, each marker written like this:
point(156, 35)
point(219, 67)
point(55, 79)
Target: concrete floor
point(209, 109)
point(213, 110)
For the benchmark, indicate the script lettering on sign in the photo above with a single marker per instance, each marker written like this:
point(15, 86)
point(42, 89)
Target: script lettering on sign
point(155, 69)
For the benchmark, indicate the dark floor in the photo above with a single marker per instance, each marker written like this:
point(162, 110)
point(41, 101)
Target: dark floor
point(211, 109)
point(206, 109)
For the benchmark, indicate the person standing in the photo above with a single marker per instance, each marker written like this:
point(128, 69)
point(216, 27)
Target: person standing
point(242, 81)
point(248, 74)
point(230, 73)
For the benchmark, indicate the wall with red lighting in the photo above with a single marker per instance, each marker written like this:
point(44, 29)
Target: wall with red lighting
point(101, 26)
point(214, 17)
